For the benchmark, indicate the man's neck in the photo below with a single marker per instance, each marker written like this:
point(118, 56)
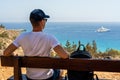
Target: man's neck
point(37, 29)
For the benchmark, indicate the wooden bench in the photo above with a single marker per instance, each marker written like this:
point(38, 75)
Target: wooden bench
point(57, 63)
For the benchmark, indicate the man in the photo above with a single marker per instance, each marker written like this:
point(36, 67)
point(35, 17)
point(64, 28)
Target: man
point(37, 43)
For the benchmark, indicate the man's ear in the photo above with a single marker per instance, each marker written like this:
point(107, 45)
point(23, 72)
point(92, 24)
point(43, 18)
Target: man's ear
point(41, 22)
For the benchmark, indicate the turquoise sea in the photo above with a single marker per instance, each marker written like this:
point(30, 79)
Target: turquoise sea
point(83, 31)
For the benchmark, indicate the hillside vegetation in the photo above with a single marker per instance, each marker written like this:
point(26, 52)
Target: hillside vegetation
point(6, 37)
point(93, 50)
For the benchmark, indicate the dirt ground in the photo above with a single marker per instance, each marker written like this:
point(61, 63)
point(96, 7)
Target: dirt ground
point(104, 75)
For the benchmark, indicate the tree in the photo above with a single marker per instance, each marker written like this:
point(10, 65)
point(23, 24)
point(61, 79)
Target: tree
point(89, 48)
point(68, 46)
point(74, 46)
point(94, 47)
point(1, 26)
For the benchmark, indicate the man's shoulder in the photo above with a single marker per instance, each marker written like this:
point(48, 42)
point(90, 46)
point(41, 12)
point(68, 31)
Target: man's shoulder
point(49, 35)
point(24, 34)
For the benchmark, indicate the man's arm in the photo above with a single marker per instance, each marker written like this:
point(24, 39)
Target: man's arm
point(9, 50)
point(61, 52)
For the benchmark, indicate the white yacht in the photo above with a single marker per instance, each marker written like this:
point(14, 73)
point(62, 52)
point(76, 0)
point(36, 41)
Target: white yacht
point(102, 29)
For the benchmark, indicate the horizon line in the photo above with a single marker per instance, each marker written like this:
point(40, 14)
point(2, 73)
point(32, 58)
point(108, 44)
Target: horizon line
point(61, 21)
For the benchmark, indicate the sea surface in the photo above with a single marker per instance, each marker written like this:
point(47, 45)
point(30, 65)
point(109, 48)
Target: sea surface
point(83, 31)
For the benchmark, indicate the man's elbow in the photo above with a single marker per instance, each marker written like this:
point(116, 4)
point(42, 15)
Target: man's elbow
point(66, 57)
point(5, 53)
point(9, 50)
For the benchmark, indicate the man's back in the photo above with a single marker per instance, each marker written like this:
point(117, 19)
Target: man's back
point(36, 44)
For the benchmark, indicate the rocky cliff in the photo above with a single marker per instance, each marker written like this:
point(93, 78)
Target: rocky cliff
point(7, 37)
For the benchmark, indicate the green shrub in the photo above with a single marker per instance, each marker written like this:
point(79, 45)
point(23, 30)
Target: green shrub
point(4, 35)
point(2, 45)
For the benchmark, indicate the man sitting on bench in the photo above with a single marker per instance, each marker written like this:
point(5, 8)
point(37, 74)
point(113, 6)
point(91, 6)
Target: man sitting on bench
point(37, 43)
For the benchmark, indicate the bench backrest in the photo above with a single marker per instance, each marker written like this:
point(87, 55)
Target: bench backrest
point(58, 63)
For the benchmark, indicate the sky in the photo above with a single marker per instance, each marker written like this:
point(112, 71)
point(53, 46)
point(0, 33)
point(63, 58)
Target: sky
point(62, 10)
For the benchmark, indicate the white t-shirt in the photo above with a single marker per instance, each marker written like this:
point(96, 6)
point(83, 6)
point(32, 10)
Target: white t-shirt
point(37, 44)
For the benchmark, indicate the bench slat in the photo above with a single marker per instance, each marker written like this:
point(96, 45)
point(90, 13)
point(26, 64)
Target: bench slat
point(71, 64)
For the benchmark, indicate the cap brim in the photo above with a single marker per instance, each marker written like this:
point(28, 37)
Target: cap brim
point(47, 16)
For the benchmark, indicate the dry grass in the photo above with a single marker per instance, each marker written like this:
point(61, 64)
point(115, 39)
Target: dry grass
point(6, 72)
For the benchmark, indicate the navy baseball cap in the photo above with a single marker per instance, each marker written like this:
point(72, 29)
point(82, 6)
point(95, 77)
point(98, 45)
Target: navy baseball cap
point(38, 14)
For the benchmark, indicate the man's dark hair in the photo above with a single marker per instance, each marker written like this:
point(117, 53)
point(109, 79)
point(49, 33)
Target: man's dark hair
point(34, 22)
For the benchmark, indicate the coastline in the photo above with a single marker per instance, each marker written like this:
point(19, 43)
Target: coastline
point(75, 31)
